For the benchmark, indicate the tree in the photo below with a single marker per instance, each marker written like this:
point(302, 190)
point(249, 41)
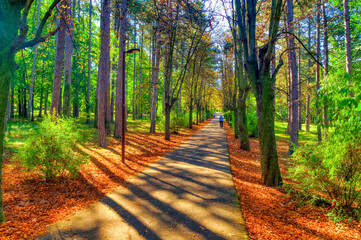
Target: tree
point(59, 56)
point(293, 80)
point(35, 53)
point(173, 28)
point(89, 64)
point(13, 38)
point(68, 56)
point(346, 15)
point(104, 73)
point(326, 63)
point(155, 76)
point(308, 97)
point(318, 53)
point(120, 80)
point(258, 73)
point(140, 76)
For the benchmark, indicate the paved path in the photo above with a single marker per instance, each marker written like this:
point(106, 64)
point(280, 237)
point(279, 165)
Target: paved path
point(188, 194)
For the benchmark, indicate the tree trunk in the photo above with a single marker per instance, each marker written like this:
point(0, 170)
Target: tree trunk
point(167, 111)
point(67, 61)
point(346, 14)
point(299, 91)
point(46, 102)
point(112, 100)
point(19, 102)
point(308, 97)
point(325, 50)
point(155, 75)
point(236, 89)
point(167, 90)
point(140, 78)
point(293, 78)
point(120, 77)
point(242, 107)
point(12, 110)
point(271, 175)
point(190, 120)
point(318, 52)
point(96, 103)
point(59, 56)
point(134, 67)
point(35, 53)
point(41, 103)
point(5, 78)
point(89, 64)
point(243, 128)
point(103, 73)
point(258, 72)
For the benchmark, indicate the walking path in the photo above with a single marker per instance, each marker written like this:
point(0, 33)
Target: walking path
point(188, 194)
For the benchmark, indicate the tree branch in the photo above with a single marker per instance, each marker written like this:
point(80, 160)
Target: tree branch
point(273, 78)
point(23, 27)
point(303, 45)
point(38, 38)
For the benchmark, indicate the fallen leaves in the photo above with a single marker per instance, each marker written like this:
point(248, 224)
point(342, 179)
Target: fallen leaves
point(31, 204)
point(268, 212)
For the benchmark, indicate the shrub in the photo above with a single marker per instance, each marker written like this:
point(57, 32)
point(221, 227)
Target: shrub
point(160, 123)
point(53, 149)
point(334, 168)
point(177, 121)
point(252, 122)
point(228, 116)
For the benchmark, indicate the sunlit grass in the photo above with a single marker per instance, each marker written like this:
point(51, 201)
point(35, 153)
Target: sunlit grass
point(19, 129)
point(303, 136)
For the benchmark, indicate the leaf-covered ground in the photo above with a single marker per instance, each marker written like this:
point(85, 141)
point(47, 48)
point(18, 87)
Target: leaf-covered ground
point(31, 204)
point(269, 213)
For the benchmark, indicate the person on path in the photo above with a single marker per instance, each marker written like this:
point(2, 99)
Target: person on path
point(221, 121)
point(214, 115)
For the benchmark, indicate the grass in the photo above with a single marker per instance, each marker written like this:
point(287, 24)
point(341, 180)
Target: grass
point(18, 129)
point(303, 136)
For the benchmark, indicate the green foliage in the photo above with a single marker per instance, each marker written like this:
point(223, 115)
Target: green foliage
point(252, 122)
point(333, 167)
point(53, 148)
point(178, 121)
point(160, 122)
point(228, 116)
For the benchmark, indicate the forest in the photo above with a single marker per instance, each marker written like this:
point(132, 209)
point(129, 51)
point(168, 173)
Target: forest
point(92, 92)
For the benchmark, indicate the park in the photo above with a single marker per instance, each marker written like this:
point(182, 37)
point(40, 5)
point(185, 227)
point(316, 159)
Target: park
point(180, 119)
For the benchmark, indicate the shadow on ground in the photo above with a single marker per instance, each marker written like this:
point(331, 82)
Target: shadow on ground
point(189, 194)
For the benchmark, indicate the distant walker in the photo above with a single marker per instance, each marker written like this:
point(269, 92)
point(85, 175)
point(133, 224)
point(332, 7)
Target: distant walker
point(221, 121)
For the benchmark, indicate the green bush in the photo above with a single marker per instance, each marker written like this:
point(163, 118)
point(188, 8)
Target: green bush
point(177, 121)
point(228, 116)
point(160, 123)
point(252, 122)
point(334, 168)
point(52, 148)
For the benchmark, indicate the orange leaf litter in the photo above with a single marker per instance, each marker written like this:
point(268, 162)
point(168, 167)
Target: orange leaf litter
point(31, 204)
point(268, 212)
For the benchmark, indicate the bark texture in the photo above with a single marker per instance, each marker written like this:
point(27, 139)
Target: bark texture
point(318, 52)
point(155, 75)
point(103, 73)
point(120, 76)
point(89, 64)
point(59, 56)
point(293, 79)
point(68, 58)
point(346, 15)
